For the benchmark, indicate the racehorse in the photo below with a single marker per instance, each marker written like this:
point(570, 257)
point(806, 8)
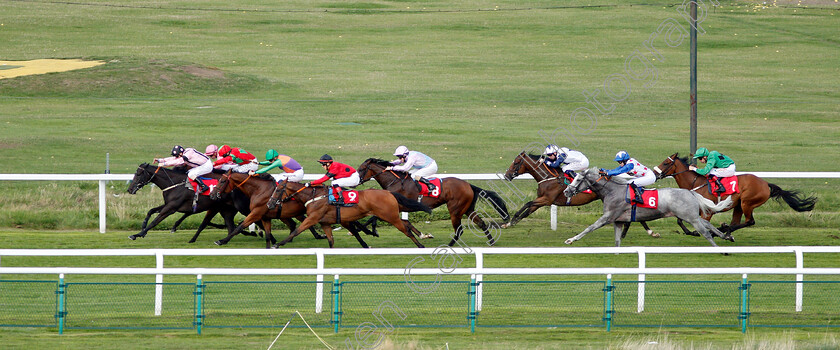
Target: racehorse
point(259, 190)
point(550, 186)
point(458, 195)
point(177, 198)
point(683, 204)
point(381, 203)
point(754, 191)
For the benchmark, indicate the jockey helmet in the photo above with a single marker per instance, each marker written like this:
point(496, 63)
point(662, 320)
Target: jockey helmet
point(701, 152)
point(177, 150)
point(551, 149)
point(271, 154)
point(224, 151)
point(621, 156)
point(325, 159)
point(211, 150)
point(564, 150)
point(401, 151)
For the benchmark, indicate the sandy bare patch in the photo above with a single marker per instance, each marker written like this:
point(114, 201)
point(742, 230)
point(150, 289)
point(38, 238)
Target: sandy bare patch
point(43, 66)
point(202, 72)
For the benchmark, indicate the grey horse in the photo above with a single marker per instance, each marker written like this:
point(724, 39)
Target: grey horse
point(683, 204)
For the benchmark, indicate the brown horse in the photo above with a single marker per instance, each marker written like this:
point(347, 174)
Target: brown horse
point(458, 195)
point(550, 186)
point(754, 191)
point(383, 204)
point(259, 189)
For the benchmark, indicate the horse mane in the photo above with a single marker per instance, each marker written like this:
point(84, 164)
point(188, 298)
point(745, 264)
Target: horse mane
point(181, 169)
point(534, 156)
point(265, 176)
point(380, 162)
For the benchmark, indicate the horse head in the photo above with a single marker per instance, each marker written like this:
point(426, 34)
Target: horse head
point(517, 167)
point(582, 181)
point(141, 177)
point(225, 185)
point(370, 168)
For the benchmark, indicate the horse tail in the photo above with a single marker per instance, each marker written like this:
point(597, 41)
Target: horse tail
point(411, 205)
point(494, 198)
point(709, 207)
point(792, 198)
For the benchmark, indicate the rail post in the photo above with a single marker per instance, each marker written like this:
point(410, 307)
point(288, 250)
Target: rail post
point(62, 306)
point(199, 307)
point(479, 289)
point(473, 313)
point(159, 284)
point(319, 282)
point(640, 307)
point(336, 293)
point(745, 303)
point(553, 217)
point(609, 296)
point(799, 278)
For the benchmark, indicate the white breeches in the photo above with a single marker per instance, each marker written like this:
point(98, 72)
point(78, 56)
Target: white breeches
point(291, 177)
point(426, 171)
point(244, 168)
point(351, 181)
point(724, 172)
point(648, 179)
point(580, 165)
point(203, 169)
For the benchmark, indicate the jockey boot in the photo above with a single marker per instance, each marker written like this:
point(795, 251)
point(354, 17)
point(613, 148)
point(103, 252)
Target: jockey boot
point(201, 185)
point(429, 184)
point(638, 190)
point(720, 188)
point(570, 173)
point(339, 199)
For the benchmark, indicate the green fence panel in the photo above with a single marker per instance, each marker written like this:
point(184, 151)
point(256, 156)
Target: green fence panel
point(446, 306)
point(28, 303)
point(542, 304)
point(773, 304)
point(128, 306)
point(264, 304)
point(678, 304)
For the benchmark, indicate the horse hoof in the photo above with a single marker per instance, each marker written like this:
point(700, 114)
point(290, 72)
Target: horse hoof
point(569, 241)
point(171, 231)
point(729, 237)
point(219, 243)
point(426, 236)
point(505, 225)
point(132, 237)
point(321, 237)
point(193, 241)
point(654, 235)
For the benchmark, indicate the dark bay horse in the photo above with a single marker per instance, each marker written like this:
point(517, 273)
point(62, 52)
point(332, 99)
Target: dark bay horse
point(381, 203)
point(550, 186)
point(754, 191)
point(459, 196)
point(177, 198)
point(678, 202)
point(258, 189)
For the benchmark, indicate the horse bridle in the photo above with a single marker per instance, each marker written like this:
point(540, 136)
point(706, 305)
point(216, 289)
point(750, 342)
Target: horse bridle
point(153, 176)
point(673, 163)
point(397, 178)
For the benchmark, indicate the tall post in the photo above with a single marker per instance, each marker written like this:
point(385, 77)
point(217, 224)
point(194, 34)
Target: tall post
point(609, 295)
point(640, 301)
point(336, 303)
point(159, 284)
point(745, 307)
point(693, 80)
point(102, 213)
point(472, 315)
point(62, 306)
point(800, 262)
point(199, 314)
point(319, 282)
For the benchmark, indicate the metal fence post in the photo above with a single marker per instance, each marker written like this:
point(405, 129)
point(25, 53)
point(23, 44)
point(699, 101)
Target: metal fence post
point(336, 292)
point(609, 296)
point(473, 313)
point(158, 284)
point(553, 217)
point(745, 303)
point(199, 307)
point(319, 282)
point(62, 307)
point(800, 262)
point(640, 307)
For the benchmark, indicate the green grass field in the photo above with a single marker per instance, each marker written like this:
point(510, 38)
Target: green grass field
point(470, 83)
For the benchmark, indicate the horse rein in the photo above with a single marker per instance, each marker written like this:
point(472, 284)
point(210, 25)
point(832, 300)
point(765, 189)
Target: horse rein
point(153, 176)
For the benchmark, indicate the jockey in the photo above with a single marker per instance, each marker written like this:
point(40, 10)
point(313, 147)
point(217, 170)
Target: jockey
point(210, 151)
point(565, 159)
point(198, 163)
point(236, 159)
point(342, 175)
point(630, 169)
point(717, 165)
point(415, 163)
point(292, 171)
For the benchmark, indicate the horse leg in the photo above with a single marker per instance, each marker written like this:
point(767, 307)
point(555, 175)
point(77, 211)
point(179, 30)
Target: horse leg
point(620, 231)
point(747, 210)
point(483, 227)
point(269, 239)
point(149, 215)
point(372, 222)
point(164, 213)
point(416, 231)
point(352, 227)
point(645, 225)
point(394, 219)
point(603, 220)
point(207, 217)
point(704, 227)
point(251, 218)
point(178, 222)
point(627, 227)
point(527, 209)
point(305, 224)
point(686, 231)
